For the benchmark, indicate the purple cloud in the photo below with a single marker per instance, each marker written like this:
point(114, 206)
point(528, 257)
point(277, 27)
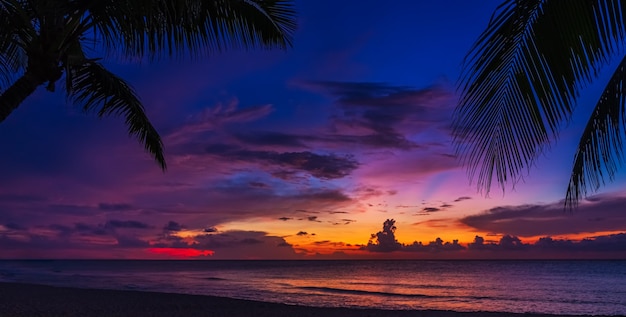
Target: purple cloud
point(601, 213)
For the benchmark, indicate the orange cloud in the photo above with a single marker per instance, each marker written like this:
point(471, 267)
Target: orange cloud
point(177, 252)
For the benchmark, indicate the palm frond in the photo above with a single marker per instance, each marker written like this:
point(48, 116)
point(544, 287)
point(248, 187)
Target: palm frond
point(600, 149)
point(195, 27)
point(15, 30)
point(521, 79)
point(98, 89)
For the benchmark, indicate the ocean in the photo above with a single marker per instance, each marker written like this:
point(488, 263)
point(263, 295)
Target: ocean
point(553, 287)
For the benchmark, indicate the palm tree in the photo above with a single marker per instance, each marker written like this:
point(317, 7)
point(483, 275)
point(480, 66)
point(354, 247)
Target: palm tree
point(44, 41)
point(520, 83)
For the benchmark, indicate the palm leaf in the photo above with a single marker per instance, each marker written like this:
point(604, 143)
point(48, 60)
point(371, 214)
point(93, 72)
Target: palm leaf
point(521, 79)
point(195, 27)
point(600, 149)
point(15, 30)
point(98, 89)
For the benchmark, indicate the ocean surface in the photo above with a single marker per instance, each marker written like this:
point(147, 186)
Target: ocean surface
point(555, 287)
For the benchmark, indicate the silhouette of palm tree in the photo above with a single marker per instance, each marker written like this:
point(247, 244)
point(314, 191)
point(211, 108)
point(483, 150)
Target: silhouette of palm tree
point(42, 41)
point(520, 83)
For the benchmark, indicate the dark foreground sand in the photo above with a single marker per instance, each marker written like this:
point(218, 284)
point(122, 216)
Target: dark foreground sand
point(37, 300)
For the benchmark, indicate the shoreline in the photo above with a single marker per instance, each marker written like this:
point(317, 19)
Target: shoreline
point(18, 299)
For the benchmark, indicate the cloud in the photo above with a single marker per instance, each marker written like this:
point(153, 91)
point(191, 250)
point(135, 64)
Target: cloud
point(236, 244)
point(323, 166)
point(258, 185)
point(173, 226)
point(508, 246)
point(115, 207)
point(434, 246)
point(380, 115)
point(312, 218)
point(600, 214)
point(21, 198)
point(14, 226)
point(343, 222)
point(546, 245)
point(462, 198)
point(384, 240)
point(325, 195)
point(215, 117)
point(302, 233)
point(272, 138)
point(128, 224)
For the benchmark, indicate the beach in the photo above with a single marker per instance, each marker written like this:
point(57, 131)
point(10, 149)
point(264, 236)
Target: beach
point(38, 300)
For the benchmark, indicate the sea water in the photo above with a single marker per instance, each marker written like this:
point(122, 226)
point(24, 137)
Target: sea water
point(554, 287)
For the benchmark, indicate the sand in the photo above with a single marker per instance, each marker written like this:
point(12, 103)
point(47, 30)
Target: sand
point(38, 300)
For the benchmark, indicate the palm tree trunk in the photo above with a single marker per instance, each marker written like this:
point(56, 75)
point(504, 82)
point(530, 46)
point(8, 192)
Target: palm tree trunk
point(13, 97)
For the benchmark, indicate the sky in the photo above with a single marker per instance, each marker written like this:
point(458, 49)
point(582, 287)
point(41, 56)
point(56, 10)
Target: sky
point(297, 154)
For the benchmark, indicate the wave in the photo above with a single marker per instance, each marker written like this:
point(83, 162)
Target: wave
point(412, 286)
point(451, 297)
point(361, 292)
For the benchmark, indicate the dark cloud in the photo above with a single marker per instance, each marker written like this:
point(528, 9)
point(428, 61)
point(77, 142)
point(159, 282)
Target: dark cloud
point(131, 242)
point(612, 246)
point(384, 240)
point(69, 209)
point(312, 218)
point(614, 242)
point(397, 99)
point(284, 218)
point(462, 198)
point(369, 116)
point(14, 226)
point(262, 138)
point(390, 139)
point(342, 222)
point(210, 230)
point(302, 233)
point(244, 244)
point(431, 209)
point(434, 246)
point(325, 195)
point(548, 245)
point(129, 224)
point(381, 109)
point(115, 207)
point(602, 213)
point(221, 148)
point(258, 185)
point(21, 198)
point(81, 229)
point(331, 139)
point(323, 166)
point(173, 226)
point(250, 241)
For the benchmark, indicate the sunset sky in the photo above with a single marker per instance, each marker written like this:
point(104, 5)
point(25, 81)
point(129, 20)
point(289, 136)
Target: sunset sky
point(297, 154)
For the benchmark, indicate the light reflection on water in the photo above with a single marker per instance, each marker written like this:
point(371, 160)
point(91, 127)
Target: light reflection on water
point(558, 287)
